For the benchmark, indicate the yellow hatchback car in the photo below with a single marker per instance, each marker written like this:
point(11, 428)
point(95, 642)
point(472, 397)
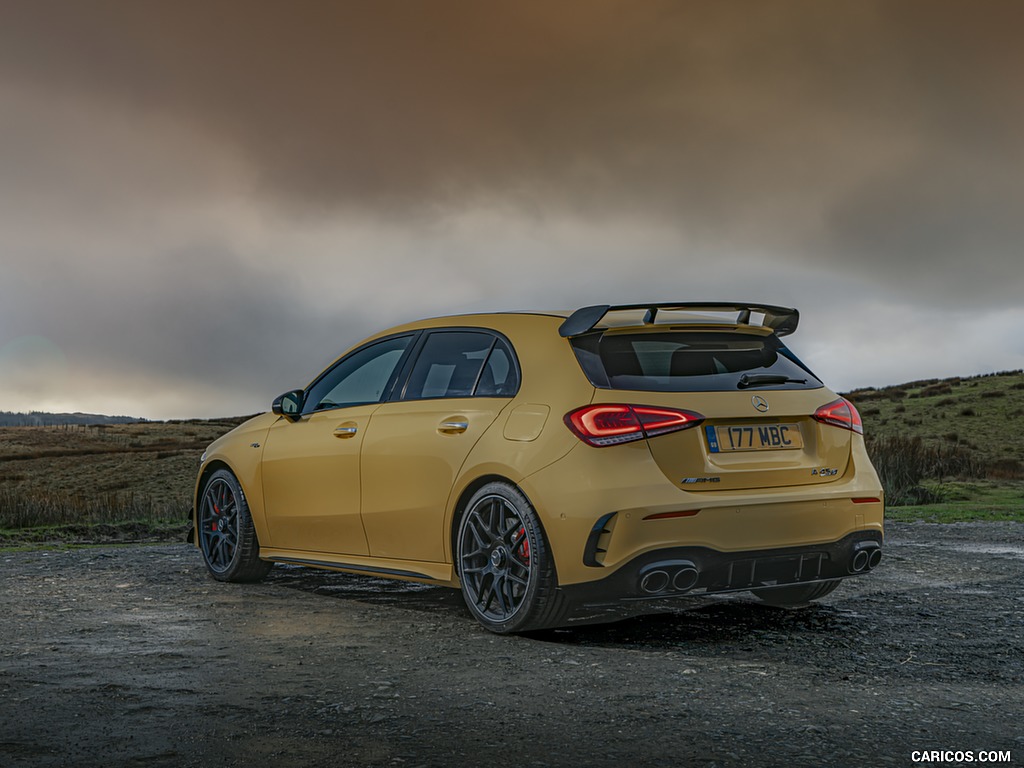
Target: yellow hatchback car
point(555, 464)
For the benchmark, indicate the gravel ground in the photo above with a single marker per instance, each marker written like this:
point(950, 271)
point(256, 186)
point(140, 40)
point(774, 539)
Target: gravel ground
point(133, 656)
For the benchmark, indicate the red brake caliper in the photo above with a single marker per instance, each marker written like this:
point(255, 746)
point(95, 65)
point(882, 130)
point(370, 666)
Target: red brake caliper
point(217, 510)
point(524, 548)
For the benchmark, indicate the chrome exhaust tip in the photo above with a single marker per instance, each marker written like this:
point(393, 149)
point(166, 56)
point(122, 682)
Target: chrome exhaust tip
point(875, 557)
point(860, 561)
point(685, 579)
point(654, 582)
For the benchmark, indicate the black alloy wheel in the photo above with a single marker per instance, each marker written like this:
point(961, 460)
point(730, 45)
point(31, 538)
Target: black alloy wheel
point(226, 534)
point(504, 565)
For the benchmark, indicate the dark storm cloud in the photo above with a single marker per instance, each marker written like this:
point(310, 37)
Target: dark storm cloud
point(214, 197)
point(886, 132)
point(199, 321)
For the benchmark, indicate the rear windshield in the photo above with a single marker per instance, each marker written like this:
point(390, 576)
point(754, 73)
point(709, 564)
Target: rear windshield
point(690, 361)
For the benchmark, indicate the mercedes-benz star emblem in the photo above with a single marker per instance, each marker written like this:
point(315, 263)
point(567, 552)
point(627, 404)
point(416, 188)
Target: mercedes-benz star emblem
point(759, 403)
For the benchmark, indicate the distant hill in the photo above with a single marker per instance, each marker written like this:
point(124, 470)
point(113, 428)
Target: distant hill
point(981, 414)
point(41, 419)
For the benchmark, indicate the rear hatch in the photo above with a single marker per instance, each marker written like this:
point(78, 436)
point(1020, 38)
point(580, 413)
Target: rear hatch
point(766, 418)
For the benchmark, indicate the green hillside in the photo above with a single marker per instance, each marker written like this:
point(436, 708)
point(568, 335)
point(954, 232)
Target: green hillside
point(982, 414)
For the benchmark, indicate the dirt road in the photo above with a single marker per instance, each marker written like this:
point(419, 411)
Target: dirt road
point(132, 656)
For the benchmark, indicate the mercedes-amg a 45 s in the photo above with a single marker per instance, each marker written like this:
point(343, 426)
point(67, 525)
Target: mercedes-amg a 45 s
point(554, 464)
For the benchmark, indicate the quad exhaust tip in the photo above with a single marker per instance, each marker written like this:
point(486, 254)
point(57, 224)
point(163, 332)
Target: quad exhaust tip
point(865, 559)
point(675, 576)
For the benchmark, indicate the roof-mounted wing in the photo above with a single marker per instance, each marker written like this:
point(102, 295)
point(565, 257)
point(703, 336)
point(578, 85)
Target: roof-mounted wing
point(781, 320)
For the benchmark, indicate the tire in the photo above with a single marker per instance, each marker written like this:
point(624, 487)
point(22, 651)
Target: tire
point(796, 594)
point(226, 534)
point(504, 563)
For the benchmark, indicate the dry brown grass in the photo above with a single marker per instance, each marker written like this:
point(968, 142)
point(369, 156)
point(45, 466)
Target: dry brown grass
point(101, 474)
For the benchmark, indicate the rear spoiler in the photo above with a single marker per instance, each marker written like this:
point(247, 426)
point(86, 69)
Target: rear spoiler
point(781, 320)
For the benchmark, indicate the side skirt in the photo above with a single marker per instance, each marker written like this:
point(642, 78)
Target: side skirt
point(408, 570)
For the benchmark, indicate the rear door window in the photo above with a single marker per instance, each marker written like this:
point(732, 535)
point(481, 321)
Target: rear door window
point(688, 361)
point(462, 364)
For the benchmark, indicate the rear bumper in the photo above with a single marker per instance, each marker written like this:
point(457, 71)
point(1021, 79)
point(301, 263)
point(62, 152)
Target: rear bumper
point(696, 571)
point(621, 494)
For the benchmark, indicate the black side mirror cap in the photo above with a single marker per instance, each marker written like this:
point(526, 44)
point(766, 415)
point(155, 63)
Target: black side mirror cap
point(289, 404)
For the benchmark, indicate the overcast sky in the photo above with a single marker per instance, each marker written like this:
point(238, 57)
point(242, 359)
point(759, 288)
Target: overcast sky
point(202, 203)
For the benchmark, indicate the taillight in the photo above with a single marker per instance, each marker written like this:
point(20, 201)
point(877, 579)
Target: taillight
point(840, 413)
point(612, 424)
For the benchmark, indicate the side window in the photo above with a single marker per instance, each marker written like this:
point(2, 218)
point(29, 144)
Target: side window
point(449, 364)
point(362, 377)
point(499, 377)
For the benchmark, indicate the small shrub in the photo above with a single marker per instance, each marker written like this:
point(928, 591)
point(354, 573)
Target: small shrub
point(871, 412)
point(903, 463)
point(1005, 469)
point(947, 401)
point(994, 393)
point(967, 412)
point(937, 389)
point(901, 408)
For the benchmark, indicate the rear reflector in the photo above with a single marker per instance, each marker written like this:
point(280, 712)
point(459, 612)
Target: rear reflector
point(840, 413)
point(866, 501)
point(612, 423)
point(669, 515)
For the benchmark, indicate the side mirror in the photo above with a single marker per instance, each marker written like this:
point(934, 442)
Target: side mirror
point(289, 404)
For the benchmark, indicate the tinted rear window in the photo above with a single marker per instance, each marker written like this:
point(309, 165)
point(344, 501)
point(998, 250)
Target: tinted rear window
point(687, 361)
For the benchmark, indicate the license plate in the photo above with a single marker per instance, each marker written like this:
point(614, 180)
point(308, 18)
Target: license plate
point(754, 437)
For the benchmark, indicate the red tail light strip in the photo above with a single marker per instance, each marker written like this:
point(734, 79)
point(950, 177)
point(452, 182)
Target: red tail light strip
point(840, 413)
point(614, 423)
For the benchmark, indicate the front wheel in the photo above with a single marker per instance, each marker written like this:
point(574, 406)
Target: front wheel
point(504, 564)
point(796, 594)
point(227, 537)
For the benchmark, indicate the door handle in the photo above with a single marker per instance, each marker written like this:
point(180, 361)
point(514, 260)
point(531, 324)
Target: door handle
point(453, 427)
point(346, 430)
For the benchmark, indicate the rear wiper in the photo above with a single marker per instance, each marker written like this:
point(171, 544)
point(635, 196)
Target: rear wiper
point(766, 379)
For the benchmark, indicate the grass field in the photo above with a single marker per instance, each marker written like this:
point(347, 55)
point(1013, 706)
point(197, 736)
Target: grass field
point(948, 450)
point(124, 481)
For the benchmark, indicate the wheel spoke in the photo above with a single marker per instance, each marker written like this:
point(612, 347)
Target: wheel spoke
point(473, 521)
point(485, 599)
point(499, 593)
point(482, 550)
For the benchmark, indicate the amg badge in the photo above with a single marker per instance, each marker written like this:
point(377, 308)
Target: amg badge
point(694, 480)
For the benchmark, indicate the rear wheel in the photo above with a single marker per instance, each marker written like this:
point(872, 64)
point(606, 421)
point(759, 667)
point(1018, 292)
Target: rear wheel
point(504, 564)
point(227, 537)
point(796, 594)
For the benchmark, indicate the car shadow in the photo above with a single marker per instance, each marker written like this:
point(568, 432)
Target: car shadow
point(731, 623)
point(734, 621)
point(369, 589)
